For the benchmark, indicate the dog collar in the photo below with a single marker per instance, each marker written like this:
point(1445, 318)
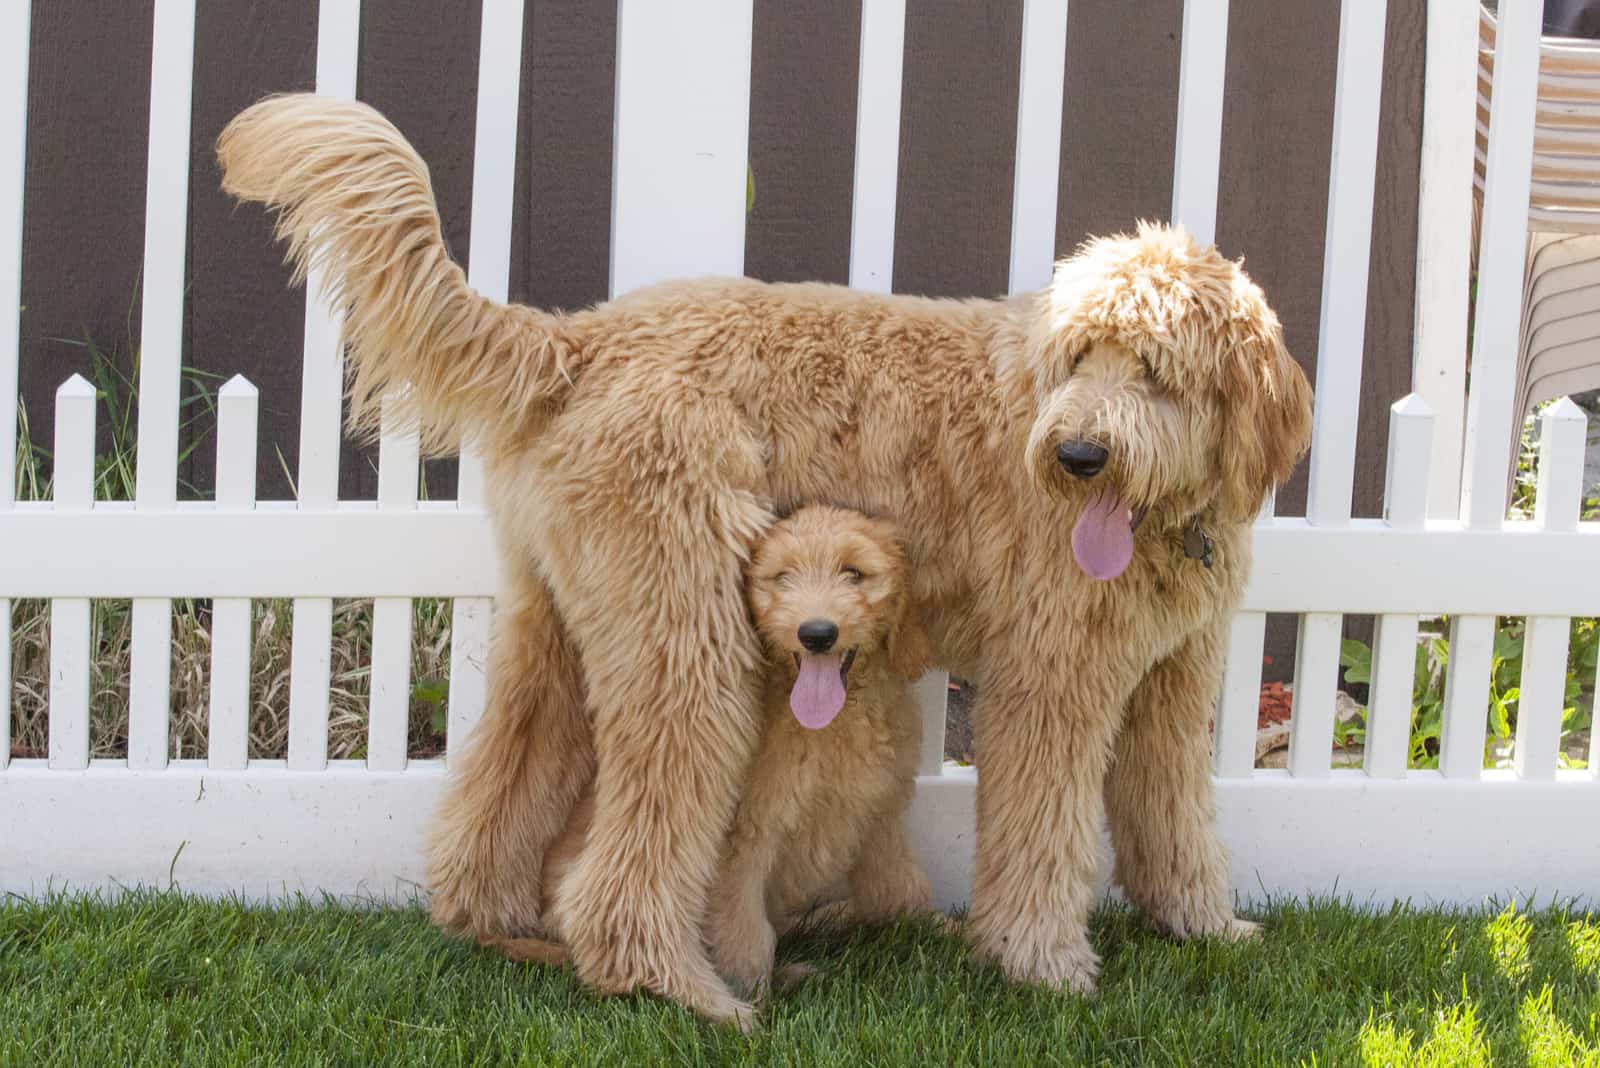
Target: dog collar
point(1197, 544)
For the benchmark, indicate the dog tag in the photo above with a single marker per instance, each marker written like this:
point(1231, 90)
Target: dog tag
point(1197, 545)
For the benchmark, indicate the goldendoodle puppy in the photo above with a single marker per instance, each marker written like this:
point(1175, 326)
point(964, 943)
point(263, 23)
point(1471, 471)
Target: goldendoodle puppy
point(833, 775)
point(825, 798)
point(1074, 473)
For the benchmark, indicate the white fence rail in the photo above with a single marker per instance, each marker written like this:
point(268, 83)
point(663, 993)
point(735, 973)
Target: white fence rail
point(264, 827)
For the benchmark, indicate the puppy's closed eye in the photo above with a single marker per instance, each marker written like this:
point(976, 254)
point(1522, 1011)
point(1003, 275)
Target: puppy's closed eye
point(851, 575)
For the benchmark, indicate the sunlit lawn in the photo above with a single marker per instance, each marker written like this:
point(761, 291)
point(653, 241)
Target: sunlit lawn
point(160, 979)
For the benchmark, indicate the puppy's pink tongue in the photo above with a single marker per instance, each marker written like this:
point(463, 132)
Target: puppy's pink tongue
point(1102, 539)
point(818, 693)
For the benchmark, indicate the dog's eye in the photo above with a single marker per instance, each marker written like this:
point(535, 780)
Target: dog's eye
point(781, 577)
point(851, 575)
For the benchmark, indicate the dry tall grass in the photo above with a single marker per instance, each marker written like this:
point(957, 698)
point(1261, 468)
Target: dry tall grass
point(350, 678)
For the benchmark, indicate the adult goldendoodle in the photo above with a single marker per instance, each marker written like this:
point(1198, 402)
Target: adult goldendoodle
point(1073, 472)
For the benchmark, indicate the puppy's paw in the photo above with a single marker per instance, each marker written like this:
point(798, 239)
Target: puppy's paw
point(790, 976)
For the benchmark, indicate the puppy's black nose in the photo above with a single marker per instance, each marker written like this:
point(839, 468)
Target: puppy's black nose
point(1082, 459)
point(818, 635)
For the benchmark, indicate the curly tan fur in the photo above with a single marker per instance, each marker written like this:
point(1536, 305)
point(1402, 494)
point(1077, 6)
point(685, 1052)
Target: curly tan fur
point(636, 450)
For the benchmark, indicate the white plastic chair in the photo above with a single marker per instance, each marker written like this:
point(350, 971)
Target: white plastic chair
point(1559, 348)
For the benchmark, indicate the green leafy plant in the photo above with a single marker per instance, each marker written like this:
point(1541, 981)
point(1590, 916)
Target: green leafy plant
point(1505, 677)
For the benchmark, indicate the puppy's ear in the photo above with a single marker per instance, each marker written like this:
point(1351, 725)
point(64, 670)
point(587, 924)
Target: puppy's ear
point(1266, 412)
point(910, 651)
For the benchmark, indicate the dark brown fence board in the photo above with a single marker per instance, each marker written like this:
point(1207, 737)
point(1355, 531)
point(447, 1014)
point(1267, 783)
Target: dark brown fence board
point(1119, 119)
point(242, 317)
point(803, 86)
point(561, 225)
point(958, 134)
point(83, 196)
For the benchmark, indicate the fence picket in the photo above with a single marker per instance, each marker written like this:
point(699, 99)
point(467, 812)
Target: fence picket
point(877, 167)
point(1497, 324)
point(1502, 252)
point(489, 272)
point(1394, 645)
point(69, 616)
point(1037, 173)
point(389, 707)
point(5, 682)
point(1202, 76)
point(1347, 250)
point(13, 146)
point(166, 235)
point(1316, 673)
point(1466, 696)
point(682, 141)
point(321, 412)
point(310, 664)
point(1344, 299)
point(1233, 740)
point(872, 219)
point(1563, 430)
point(1444, 239)
point(228, 731)
point(932, 694)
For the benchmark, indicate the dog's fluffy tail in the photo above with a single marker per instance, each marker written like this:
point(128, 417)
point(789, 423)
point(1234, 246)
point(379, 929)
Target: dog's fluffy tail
point(355, 204)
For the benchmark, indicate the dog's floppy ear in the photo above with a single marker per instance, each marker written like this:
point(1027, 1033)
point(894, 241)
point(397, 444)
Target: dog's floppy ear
point(910, 650)
point(1266, 409)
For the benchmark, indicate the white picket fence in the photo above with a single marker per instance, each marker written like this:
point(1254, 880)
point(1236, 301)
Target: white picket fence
point(267, 827)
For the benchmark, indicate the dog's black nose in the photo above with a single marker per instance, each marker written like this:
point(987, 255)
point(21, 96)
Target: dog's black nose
point(818, 635)
point(1082, 459)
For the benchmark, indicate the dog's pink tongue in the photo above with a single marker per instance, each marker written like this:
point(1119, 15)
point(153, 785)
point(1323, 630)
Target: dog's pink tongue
point(1102, 539)
point(818, 693)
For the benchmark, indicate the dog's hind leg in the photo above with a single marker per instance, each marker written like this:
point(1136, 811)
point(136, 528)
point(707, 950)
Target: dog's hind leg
point(654, 597)
point(1159, 797)
point(510, 792)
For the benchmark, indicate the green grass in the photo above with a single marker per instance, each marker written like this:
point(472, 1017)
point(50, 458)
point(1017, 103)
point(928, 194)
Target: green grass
point(167, 979)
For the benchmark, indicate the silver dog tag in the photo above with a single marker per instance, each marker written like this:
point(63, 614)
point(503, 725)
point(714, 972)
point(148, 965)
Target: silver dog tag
point(1197, 545)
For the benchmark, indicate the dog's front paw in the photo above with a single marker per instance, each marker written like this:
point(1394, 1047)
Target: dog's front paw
point(728, 1012)
point(1217, 922)
point(1071, 967)
point(1071, 971)
point(1237, 930)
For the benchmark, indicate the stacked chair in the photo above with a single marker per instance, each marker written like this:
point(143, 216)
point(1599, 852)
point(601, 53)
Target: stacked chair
point(1559, 346)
